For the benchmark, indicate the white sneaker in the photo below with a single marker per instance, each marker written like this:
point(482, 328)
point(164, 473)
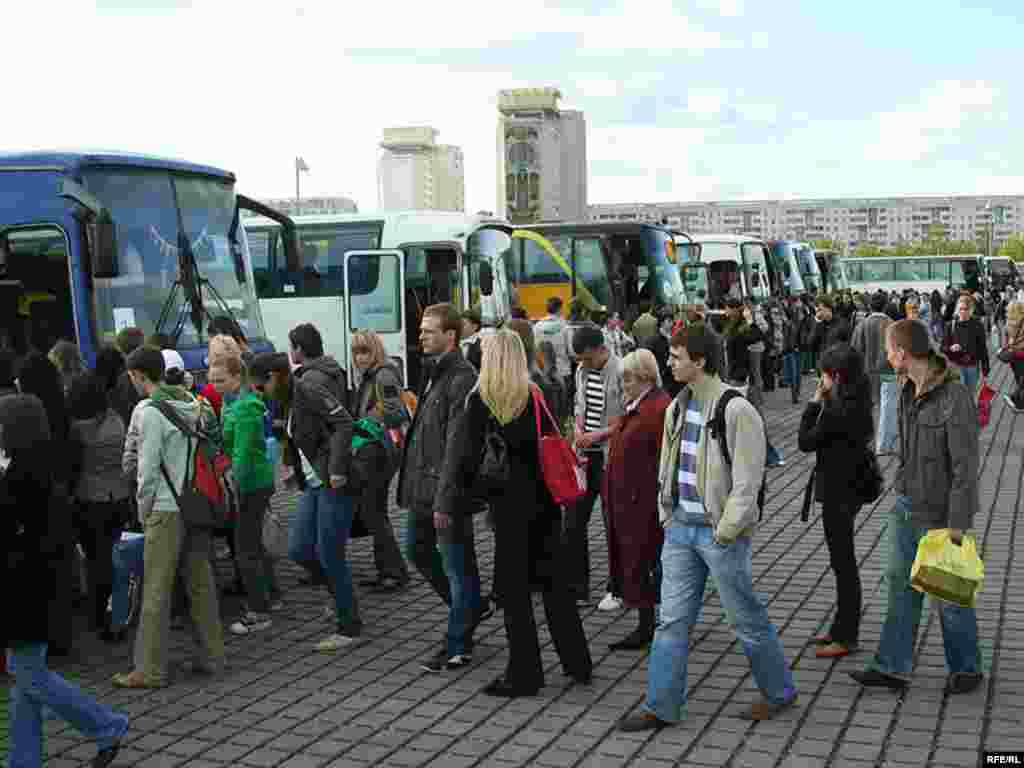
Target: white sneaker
point(330, 612)
point(610, 603)
point(251, 622)
point(334, 643)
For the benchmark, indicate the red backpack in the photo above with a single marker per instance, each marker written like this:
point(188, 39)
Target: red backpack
point(207, 498)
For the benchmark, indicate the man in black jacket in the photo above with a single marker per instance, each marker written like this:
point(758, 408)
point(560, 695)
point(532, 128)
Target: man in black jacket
point(320, 429)
point(447, 382)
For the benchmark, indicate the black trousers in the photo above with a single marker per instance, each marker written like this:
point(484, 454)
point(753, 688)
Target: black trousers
point(98, 527)
point(373, 511)
point(526, 554)
point(838, 517)
point(577, 525)
point(1018, 376)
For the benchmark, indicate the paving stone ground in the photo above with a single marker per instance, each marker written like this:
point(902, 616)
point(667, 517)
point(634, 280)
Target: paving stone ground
point(280, 704)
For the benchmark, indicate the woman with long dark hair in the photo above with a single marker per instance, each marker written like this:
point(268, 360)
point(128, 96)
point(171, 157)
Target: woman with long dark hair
point(527, 522)
point(27, 554)
point(837, 427)
point(39, 376)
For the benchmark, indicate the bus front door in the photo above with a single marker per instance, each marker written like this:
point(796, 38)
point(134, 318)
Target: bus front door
point(375, 300)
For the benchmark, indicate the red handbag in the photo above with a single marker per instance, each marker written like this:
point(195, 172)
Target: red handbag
point(563, 474)
point(985, 397)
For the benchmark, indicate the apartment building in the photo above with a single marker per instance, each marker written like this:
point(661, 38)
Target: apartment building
point(415, 172)
point(880, 221)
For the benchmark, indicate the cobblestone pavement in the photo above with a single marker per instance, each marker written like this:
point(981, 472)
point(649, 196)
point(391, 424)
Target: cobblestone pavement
point(280, 704)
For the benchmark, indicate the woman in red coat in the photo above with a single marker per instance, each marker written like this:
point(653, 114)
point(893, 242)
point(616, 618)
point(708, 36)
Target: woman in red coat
point(631, 493)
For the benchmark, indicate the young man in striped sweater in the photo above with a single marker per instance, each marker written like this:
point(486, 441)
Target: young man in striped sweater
point(598, 409)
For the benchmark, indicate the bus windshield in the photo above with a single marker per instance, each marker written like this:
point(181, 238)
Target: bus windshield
point(153, 210)
point(808, 265)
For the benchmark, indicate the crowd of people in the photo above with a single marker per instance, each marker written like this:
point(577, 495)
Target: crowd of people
point(666, 422)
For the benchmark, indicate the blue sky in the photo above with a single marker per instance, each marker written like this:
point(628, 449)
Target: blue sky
point(698, 100)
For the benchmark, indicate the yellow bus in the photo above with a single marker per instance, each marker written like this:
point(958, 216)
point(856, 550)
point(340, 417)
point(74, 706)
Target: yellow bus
point(614, 266)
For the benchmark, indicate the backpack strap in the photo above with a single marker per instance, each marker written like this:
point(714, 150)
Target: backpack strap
point(717, 425)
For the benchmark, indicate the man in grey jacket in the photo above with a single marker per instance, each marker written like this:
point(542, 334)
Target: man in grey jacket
point(938, 488)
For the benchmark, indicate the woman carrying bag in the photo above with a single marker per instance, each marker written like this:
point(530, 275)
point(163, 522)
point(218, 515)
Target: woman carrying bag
point(502, 415)
point(836, 426)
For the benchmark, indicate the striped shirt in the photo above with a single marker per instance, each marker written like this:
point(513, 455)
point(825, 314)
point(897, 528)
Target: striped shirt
point(691, 507)
point(593, 382)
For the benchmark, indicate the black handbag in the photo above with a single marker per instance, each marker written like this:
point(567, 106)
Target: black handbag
point(493, 476)
point(870, 483)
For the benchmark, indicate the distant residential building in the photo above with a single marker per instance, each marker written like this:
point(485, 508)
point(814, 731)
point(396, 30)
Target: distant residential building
point(310, 205)
point(415, 172)
point(542, 157)
point(884, 221)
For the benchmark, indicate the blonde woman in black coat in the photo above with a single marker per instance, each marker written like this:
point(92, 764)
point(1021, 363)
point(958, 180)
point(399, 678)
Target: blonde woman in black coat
point(527, 522)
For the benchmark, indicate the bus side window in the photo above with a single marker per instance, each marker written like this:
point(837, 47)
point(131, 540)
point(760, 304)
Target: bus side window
point(259, 252)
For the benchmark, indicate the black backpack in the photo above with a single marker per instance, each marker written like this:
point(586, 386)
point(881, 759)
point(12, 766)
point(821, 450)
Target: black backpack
point(716, 429)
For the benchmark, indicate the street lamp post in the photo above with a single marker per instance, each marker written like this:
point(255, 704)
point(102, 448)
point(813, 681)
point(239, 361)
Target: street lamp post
point(300, 167)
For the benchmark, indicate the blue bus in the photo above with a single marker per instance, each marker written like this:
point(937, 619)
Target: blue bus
point(95, 242)
point(799, 269)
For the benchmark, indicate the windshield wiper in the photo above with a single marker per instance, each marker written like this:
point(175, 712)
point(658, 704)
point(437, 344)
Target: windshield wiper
point(191, 283)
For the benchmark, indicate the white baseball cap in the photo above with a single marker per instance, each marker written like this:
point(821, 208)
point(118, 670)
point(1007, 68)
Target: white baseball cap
point(172, 360)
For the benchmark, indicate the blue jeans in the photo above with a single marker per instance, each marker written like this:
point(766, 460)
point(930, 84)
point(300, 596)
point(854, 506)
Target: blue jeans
point(447, 559)
point(790, 368)
point(689, 555)
point(34, 687)
point(903, 615)
point(970, 376)
point(128, 560)
point(888, 426)
point(317, 538)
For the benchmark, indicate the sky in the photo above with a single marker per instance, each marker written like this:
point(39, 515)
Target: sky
point(684, 101)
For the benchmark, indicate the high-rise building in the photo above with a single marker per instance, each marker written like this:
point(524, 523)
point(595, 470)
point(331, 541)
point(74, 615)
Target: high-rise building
point(884, 221)
point(309, 205)
point(542, 157)
point(415, 172)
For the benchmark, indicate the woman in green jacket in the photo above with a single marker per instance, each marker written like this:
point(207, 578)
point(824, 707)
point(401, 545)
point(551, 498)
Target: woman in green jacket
point(245, 442)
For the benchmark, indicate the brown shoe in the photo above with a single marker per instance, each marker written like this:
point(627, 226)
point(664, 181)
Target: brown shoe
point(832, 651)
point(765, 710)
point(134, 679)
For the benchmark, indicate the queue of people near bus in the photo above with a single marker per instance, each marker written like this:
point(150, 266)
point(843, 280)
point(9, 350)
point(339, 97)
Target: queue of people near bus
point(675, 509)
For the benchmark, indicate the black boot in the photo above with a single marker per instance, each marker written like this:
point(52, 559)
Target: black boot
point(640, 637)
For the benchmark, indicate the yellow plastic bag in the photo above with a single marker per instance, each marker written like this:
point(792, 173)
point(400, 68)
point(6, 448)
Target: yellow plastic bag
point(948, 572)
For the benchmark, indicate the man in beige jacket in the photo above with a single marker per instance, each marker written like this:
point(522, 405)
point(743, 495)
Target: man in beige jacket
point(709, 510)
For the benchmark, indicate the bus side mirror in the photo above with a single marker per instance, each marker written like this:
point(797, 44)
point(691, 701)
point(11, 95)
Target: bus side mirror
point(486, 279)
point(103, 233)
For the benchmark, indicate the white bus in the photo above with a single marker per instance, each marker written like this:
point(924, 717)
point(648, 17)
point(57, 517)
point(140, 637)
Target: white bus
point(379, 271)
point(1001, 272)
point(922, 274)
point(716, 268)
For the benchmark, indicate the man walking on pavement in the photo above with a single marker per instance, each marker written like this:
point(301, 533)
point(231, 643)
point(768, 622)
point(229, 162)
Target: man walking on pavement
point(320, 428)
point(709, 511)
point(869, 340)
point(938, 488)
point(598, 410)
point(441, 547)
point(830, 329)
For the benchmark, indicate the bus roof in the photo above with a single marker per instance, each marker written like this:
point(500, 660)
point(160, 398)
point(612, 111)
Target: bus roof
point(73, 162)
point(957, 256)
point(593, 227)
point(723, 238)
point(400, 227)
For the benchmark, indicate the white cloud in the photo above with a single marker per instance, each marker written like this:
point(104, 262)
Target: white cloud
point(656, 27)
point(732, 8)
